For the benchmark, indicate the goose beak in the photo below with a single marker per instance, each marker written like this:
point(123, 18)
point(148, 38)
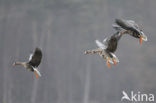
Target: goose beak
point(107, 62)
point(144, 37)
point(140, 39)
point(36, 75)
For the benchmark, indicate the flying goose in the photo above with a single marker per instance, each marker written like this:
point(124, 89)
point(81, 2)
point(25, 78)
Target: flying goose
point(131, 28)
point(107, 48)
point(33, 63)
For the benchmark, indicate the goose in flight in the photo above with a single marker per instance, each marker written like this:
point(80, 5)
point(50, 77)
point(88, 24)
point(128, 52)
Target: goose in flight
point(131, 28)
point(107, 48)
point(33, 63)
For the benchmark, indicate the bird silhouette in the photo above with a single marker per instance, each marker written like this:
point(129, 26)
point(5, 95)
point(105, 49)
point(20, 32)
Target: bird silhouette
point(33, 62)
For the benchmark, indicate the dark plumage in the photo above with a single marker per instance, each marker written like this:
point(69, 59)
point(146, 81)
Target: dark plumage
point(128, 25)
point(33, 63)
point(131, 28)
point(36, 58)
point(112, 42)
point(107, 48)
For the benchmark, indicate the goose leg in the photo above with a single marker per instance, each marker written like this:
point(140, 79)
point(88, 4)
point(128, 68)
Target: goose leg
point(107, 62)
point(114, 61)
point(36, 75)
point(140, 39)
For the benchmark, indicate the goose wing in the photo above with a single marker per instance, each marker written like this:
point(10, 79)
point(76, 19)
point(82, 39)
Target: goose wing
point(35, 58)
point(127, 25)
point(133, 23)
point(117, 27)
point(100, 45)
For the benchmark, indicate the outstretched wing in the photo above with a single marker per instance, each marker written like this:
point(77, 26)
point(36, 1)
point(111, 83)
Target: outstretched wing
point(35, 59)
point(127, 25)
point(100, 45)
point(132, 26)
point(132, 23)
point(117, 27)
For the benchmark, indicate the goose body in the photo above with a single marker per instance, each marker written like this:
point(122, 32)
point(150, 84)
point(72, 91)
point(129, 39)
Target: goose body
point(33, 63)
point(107, 48)
point(112, 42)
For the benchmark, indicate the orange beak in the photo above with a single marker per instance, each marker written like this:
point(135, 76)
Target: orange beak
point(114, 61)
point(107, 62)
point(140, 40)
point(36, 75)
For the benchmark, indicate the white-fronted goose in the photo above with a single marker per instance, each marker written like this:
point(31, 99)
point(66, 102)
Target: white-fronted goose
point(131, 28)
point(33, 63)
point(107, 48)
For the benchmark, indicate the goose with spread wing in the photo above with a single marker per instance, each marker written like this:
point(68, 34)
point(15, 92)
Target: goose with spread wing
point(33, 63)
point(107, 48)
point(131, 28)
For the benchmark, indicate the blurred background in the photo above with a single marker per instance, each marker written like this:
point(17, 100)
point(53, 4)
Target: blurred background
point(63, 29)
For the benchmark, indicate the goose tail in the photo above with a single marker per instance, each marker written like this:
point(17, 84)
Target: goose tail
point(37, 73)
